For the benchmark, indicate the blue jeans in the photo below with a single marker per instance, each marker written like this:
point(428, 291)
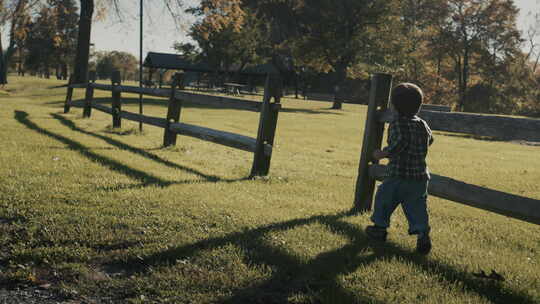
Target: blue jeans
point(411, 194)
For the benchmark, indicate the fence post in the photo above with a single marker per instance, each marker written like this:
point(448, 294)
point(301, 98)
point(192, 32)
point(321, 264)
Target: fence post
point(267, 126)
point(69, 94)
point(116, 99)
point(373, 133)
point(173, 112)
point(89, 94)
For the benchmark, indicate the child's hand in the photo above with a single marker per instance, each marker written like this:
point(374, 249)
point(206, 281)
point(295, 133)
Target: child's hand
point(378, 154)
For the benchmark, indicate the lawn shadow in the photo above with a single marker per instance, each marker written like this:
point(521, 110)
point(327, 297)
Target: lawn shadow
point(123, 146)
point(321, 275)
point(58, 86)
point(145, 178)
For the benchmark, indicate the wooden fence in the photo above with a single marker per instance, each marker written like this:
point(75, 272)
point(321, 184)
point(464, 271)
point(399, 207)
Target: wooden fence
point(507, 128)
point(261, 146)
point(348, 100)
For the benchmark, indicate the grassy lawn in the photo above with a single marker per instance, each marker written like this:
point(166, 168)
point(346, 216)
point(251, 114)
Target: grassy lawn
point(109, 215)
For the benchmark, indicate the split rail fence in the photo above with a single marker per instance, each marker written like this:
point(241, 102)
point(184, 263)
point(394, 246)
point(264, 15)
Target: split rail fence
point(262, 146)
point(507, 128)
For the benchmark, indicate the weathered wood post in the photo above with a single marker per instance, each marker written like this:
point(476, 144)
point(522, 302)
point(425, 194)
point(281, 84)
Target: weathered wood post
point(116, 99)
point(378, 97)
point(69, 94)
point(89, 94)
point(173, 112)
point(267, 126)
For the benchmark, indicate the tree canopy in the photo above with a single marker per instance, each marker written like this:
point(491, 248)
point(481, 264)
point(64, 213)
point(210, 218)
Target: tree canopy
point(466, 53)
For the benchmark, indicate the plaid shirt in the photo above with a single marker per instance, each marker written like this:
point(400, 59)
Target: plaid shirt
point(408, 142)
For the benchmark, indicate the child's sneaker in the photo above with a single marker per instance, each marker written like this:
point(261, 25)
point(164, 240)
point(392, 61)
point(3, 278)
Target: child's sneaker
point(376, 233)
point(423, 243)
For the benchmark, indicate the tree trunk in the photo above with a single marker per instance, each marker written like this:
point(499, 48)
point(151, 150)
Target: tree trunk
point(47, 70)
point(3, 79)
point(20, 64)
point(341, 74)
point(438, 83)
point(83, 41)
point(64, 71)
point(459, 82)
point(296, 85)
point(464, 78)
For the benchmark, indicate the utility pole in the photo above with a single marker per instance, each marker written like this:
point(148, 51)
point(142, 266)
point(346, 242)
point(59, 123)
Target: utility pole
point(141, 62)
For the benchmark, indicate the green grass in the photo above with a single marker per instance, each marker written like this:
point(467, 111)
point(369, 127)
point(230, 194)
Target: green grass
point(111, 215)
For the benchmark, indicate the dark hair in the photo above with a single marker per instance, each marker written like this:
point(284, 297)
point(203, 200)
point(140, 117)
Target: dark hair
point(407, 99)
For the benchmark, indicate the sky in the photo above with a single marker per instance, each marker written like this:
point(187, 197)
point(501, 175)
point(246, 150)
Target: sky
point(160, 30)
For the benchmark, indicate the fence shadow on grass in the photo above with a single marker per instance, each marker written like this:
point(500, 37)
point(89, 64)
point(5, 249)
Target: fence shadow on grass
point(58, 86)
point(321, 274)
point(123, 146)
point(145, 178)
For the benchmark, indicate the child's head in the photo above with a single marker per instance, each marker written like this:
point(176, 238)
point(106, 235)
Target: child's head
point(407, 99)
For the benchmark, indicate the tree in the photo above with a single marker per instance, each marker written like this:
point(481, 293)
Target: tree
point(336, 34)
point(83, 41)
point(65, 40)
point(187, 50)
point(15, 13)
point(40, 42)
point(226, 46)
point(476, 27)
point(124, 62)
point(51, 37)
point(321, 35)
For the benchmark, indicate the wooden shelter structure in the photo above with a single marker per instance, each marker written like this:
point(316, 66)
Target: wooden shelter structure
point(167, 61)
point(250, 75)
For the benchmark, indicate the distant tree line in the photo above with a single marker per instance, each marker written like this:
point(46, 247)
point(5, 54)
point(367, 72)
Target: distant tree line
point(464, 53)
point(104, 63)
point(42, 37)
point(45, 35)
point(53, 37)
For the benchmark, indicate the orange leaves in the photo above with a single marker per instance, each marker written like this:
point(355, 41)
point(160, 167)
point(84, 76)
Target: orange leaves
point(101, 10)
point(220, 15)
point(57, 40)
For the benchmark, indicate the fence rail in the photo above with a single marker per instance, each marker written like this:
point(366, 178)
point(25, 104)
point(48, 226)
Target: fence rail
point(522, 208)
point(149, 120)
point(220, 137)
point(235, 103)
point(519, 207)
point(103, 108)
point(439, 108)
point(262, 146)
point(499, 127)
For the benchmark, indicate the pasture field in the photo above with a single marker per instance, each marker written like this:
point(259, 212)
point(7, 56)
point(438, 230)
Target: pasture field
point(109, 216)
